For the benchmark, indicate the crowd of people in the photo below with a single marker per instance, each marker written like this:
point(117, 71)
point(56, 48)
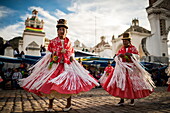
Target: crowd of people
point(17, 53)
point(11, 76)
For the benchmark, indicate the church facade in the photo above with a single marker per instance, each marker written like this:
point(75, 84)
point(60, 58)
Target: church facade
point(33, 35)
point(159, 18)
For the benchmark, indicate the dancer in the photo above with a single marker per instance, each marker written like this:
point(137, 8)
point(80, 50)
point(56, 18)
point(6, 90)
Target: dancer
point(107, 71)
point(168, 74)
point(129, 79)
point(168, 82)
point(58, 74)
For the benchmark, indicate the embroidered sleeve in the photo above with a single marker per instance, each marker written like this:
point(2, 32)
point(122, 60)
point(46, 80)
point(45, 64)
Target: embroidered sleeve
point(134, 50)
point(50, 46)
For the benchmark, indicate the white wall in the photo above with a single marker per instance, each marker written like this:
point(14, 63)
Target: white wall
point(29, 37)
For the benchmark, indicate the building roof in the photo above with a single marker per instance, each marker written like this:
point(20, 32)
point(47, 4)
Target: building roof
point(160, 3)
point(138, 29)
point(165, 4)
point(135, 27)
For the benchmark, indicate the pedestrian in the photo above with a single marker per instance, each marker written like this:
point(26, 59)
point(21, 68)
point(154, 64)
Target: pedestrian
point(15, 78)
point(168, 82)
point(129, 79)
point(42, 50)
point(3, 79)
point(16, 52)
point(22, 54)
point(107, 71)
point(168, 74)
point(80, 61)
point(58, 74)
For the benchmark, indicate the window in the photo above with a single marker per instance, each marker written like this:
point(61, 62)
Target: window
point(162, 27)
point(163, 54)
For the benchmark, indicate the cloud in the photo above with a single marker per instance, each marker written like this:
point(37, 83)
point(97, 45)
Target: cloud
point(93, 19)
point(90, 19)
point(4, 11)
point(12, 31)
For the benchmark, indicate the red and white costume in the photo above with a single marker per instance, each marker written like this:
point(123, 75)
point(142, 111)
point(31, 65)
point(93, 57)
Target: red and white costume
point(168, 82)
point(63, 79)
point(107, 71)
point(129, 79)
point(168, 74)
point(1, 79)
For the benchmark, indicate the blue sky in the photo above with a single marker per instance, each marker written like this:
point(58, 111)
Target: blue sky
point(88, 20)
point(16, 8)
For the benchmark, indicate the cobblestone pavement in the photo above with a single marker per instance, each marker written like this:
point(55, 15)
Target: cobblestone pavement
point(94, 101)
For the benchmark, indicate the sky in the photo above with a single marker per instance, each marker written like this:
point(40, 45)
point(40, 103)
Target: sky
point(88, 20)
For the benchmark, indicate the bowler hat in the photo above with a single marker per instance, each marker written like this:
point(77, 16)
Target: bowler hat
point(126, 36)
point(62, 23)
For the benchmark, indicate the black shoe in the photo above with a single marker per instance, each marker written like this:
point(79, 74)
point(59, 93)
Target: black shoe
point(120, 104)
point(132, 103)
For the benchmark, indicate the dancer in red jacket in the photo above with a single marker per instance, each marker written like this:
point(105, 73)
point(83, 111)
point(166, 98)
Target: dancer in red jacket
point(129, 79)
point(58, 74)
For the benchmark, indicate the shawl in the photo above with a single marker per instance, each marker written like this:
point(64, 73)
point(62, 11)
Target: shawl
point(55, 46)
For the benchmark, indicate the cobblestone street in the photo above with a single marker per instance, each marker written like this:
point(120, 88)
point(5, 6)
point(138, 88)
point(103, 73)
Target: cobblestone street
point(94, 101)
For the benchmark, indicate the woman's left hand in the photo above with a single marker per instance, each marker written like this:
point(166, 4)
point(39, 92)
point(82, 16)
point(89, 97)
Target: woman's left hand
point(71, 59)
point(63, 51)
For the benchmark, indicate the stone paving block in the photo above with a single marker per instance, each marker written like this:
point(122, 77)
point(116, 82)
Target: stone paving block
point(28, 110)
point(6, 110)
point(94, 101)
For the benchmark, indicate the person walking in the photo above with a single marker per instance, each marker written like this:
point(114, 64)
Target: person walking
point(129, 79)
point(107, 71)
point(16, 76)
point(58, 74)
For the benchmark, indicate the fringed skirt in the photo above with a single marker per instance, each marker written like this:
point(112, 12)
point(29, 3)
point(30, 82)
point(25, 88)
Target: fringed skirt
point(128, 92)
point(168, 88)
point(62, 80)
point(1, 79)
point(129, 80)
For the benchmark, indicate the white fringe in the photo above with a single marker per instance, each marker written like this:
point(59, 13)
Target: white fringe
point(74, 77)
point(144, 75)
point(40, 73)
point(140, 78)
point(103, 78)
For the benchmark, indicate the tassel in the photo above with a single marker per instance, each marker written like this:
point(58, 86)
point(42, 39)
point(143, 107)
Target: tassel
point(50, 65)
point(54, 60)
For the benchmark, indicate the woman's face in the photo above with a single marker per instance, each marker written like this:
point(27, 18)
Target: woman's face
point(126, 43)
point(62, 31)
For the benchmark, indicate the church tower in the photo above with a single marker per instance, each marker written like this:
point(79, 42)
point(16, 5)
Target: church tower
point(159, 18)
point(33, 36)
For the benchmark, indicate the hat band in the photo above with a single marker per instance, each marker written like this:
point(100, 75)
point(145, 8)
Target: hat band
point(62, 25)
point(124, 38)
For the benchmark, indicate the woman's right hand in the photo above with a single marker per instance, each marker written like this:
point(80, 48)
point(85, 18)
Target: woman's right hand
point(121, 55)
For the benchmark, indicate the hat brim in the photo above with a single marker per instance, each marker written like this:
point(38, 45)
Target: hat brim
point(126, 38)
point(61, 25)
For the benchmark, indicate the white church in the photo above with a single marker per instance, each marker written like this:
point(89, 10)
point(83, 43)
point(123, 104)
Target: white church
point(33, 36)
point(152, 45)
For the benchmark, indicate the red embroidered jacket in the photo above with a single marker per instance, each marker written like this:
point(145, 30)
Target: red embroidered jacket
point(55, 46)
point(131, 49)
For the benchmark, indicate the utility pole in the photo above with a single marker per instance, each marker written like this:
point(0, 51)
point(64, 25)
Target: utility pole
point(95, 30)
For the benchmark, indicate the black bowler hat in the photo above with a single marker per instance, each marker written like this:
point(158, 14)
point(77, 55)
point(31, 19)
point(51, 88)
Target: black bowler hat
point(62, 23)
